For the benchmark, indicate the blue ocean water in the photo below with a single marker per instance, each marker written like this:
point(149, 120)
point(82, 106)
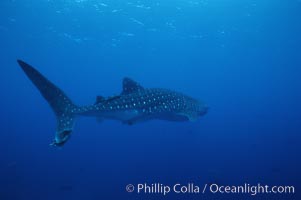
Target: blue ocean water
point(243, 58)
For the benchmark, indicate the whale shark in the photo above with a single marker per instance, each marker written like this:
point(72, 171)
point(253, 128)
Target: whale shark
point(133, 105)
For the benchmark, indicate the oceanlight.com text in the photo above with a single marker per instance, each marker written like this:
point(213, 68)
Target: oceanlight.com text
point(251, 189)
point(193, 188)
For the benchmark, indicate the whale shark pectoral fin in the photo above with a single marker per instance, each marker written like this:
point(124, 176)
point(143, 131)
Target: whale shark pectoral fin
point(130, 86)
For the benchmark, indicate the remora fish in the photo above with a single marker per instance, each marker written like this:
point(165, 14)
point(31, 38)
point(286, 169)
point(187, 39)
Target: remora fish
point(134, 104)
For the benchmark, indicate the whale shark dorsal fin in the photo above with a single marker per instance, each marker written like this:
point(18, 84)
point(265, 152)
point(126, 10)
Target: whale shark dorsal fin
point(130, 86)
point(99, 99)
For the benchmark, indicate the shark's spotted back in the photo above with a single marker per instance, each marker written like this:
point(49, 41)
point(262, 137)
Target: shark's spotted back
point(134, 104)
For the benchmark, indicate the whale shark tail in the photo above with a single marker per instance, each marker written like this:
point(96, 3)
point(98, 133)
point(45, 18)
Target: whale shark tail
point(62, 106)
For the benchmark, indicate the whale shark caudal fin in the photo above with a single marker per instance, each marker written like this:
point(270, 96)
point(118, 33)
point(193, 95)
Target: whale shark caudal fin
point(62, 106)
